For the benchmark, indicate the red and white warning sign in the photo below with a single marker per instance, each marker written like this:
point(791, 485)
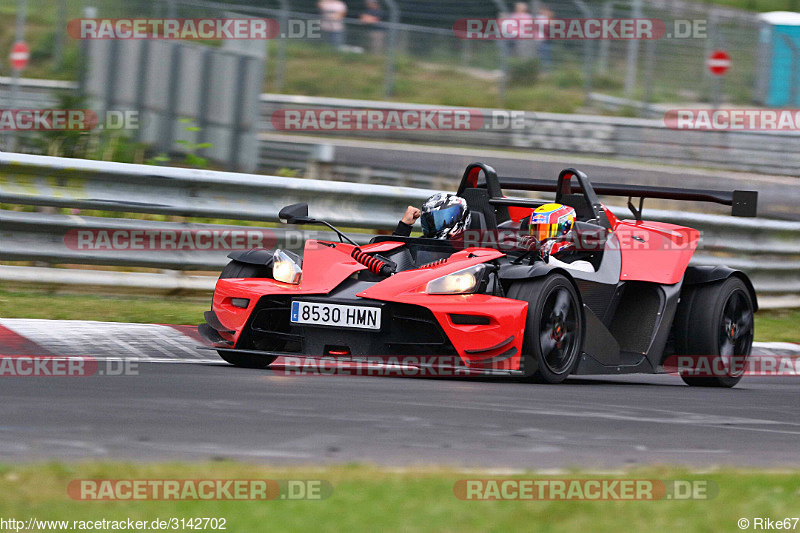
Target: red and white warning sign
point(718, 63)
point(20, 54)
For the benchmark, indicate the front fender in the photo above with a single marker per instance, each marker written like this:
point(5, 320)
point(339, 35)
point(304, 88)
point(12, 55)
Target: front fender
point(256, 256)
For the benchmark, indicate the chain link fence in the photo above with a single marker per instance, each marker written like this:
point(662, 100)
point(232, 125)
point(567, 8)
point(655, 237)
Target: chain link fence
point(426, 62)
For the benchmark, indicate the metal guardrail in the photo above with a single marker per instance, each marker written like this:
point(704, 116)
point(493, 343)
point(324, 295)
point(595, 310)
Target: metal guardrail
point(617, 137)
point(628, 138)
point(768, 250)
point(77, 183)
point(38, 94)
point(49, 238)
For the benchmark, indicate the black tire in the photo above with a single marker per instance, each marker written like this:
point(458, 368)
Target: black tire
point(236, 269)
point(553, 329)
point(244, 360)
point(716, 320)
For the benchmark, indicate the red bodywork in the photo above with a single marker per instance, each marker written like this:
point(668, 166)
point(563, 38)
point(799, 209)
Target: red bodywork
point(324, 268)
point(651, 251)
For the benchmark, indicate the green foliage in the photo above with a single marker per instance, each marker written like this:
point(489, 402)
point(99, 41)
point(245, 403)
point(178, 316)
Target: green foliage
point(192, 159)
point(94, 143)
point(524, 71)
point(288, 172)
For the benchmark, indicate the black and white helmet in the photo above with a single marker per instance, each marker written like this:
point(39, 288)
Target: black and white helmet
point(444, 216)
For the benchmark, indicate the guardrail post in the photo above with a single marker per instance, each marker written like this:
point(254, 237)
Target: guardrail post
point(280, 66)
point(633, 55)
point(111, 74)
point(238, 113)
point(650, 59)
point(205, 89)
point(58, 42)
point(167, 133)
point(502, 53)
point(141, 84)
point(391, 52)
point(466, 52)
point(588, 53)
point(83, 54)
point(602, 64)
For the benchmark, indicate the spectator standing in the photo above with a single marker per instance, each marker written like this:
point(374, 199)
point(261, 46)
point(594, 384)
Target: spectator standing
point(372, 18)
point(543, 18)
point(333, 13)
point(523, 47)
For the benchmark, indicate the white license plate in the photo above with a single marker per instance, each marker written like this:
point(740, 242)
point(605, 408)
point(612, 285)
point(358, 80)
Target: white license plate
point(345, 316)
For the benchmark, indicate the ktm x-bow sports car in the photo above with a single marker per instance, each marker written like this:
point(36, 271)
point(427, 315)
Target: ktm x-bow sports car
point(623, 300)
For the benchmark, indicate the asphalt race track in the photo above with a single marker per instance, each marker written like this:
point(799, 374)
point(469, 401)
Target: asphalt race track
point(778, 195)
point(197, 408)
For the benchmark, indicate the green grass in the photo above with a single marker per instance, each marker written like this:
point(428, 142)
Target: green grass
point(771, 325)
point(779, 325)
point(162, 310)
point(376, 499)
point(319, 71)
point(760, 5)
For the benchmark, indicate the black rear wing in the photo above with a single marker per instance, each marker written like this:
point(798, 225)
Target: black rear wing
point(743, 203)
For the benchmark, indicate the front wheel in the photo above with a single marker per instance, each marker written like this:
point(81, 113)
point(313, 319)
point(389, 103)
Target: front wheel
point(237, 269)
point(553, 329)
point(245, 360)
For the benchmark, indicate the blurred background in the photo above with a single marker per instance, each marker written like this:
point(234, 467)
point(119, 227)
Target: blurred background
point(595, 104)
point(407, 51)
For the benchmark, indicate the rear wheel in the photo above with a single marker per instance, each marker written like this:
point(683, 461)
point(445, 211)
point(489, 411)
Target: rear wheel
point(236, 269)
point(716, 320)
point(553, 329)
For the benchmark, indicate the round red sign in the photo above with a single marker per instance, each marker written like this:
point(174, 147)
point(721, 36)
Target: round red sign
point(718, 63)
point(20, 53)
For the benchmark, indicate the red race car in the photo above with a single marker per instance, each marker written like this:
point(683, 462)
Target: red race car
point(619, 297)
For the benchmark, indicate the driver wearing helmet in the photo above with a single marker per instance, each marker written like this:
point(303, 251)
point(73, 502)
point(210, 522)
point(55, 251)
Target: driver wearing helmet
point(552, 227)
point(443, 216)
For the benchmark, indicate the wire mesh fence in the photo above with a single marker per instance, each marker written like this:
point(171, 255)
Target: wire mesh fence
point(412, 52)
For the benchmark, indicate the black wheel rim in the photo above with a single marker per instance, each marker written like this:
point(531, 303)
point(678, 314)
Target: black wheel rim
point(736, 332)
point(558, 330)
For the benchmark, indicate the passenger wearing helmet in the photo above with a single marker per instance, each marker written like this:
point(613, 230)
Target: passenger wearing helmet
point(552, 226)
point(443, 216)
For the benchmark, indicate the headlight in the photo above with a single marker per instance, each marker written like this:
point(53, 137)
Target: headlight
point(462, 282)
point(285, 268)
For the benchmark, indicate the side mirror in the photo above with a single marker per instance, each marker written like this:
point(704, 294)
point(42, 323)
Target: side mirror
point(294, 214)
